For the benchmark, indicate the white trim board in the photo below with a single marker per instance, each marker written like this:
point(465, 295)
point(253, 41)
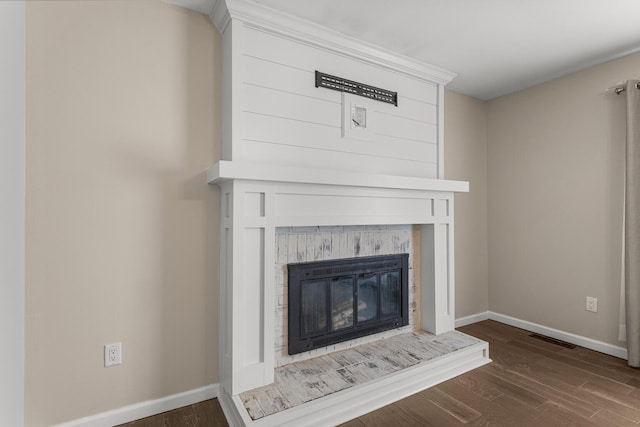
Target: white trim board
point(225, 170)
point(585, 342)
point(146, 409)
point(474, 318)
point(12, 212)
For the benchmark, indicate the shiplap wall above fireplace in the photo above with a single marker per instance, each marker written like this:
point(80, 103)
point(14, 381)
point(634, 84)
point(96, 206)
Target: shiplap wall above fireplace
point(285, 162)
point(276, 115)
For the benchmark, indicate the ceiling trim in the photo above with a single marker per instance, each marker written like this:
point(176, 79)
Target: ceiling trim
point(301, 30)
point(220, 15)
point(266, 19)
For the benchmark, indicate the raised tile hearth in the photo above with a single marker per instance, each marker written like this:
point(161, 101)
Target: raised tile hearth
point(301, 382)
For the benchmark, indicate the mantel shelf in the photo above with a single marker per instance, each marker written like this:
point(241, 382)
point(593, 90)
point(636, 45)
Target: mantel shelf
point(227, 170)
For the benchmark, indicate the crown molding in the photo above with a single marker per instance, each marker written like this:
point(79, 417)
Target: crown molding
point(285, 25)
point(200, 6)
point(264, 18)
point(220, 15)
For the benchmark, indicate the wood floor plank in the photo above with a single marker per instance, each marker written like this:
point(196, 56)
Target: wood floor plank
point(503, 355)
point(526, 396)
point(505, 409)
point(610, 390)
point(203, 414)
point(624, 399)
point(606, 418)
point(557, 415)
point(611, 367)
point(409, 412)
point(569, 401)
point(597, 399)
point(578, 376)
point(601, 360)
point(354, 423)
point(451, 405)
point(493, 332)
point(478, 384)
point(579, 363)
point(424, 412)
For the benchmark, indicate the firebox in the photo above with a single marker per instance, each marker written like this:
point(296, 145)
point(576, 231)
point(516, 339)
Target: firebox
point(338, 300)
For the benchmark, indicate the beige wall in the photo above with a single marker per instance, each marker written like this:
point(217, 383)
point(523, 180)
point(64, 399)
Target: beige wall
point(555, 176)
point(122, 119)
point(465, 137)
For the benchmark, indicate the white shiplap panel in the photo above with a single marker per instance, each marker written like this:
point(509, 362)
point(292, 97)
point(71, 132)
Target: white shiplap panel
point(259, 72)
point(269, 74)
point(288, 121)
point(410, 109)
point(399, 127)
point(269, 128)
point(291, 96)
point(284, 51)
point(286, 155)
point(258, 99)
point(261, 128)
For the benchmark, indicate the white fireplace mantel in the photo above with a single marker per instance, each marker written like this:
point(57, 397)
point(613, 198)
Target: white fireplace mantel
point(227, 170)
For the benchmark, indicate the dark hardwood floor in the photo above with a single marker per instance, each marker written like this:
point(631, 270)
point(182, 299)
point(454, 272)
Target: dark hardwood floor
point(207, 413)
point(531, 382)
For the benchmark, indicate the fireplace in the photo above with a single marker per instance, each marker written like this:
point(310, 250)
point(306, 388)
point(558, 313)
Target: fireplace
point(290, 158)
point(338, 300)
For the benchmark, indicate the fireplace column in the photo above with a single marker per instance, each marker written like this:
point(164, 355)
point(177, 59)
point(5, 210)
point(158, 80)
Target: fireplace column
point(246, 286)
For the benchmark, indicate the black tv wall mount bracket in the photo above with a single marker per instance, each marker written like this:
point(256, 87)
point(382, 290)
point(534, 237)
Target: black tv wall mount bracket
point(343, 85)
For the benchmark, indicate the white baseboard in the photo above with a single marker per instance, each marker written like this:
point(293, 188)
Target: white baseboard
point(146, 409)
point(474, 318)
point(232, 412)
point(589, 343)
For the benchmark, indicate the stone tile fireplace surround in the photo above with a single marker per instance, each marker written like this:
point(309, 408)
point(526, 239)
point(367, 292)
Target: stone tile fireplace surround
point(288, 166)
point(307, 244)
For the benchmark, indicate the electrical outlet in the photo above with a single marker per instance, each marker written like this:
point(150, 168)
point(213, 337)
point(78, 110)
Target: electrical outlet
point(592, 304)
point(112, 354)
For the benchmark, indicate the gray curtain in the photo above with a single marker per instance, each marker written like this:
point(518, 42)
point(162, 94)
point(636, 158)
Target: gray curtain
point(632, 224)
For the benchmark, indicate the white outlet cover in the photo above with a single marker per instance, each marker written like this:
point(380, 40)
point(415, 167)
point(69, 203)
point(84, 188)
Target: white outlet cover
point(358, 118)
point(112, 354)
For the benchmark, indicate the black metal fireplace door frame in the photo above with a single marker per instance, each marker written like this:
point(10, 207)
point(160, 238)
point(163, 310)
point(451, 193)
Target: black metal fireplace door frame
point(317, 271)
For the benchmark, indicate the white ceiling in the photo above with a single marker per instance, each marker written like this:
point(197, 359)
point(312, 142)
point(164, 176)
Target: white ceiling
point(495, 46)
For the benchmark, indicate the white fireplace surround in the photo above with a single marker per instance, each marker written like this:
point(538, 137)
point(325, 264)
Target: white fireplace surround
point(286, 163)
point(257, 199)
